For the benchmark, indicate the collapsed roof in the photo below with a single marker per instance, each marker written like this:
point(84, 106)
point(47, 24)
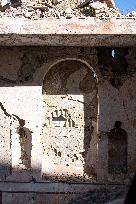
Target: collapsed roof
point(35, 9)
point(58, 8)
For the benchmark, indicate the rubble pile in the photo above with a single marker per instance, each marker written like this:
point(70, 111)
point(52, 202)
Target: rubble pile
point(132, 14)
point(105, 11)
point(59, 9)
point(36, 10)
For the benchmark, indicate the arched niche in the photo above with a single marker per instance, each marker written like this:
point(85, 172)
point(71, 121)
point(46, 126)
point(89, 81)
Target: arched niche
point(70, 109)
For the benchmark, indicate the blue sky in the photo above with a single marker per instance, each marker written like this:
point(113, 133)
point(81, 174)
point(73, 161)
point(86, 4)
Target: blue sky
point(126, 5)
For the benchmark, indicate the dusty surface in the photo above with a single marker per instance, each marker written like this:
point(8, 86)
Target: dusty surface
point(23, 71)
point(61, 193)
point(102, 195)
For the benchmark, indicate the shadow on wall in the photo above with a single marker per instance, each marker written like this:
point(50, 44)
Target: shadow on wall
point(21, 146)
point(25, 137)
point(70, 120)
point(117, 150)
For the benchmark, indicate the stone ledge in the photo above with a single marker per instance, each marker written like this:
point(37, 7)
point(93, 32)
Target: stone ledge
point(68, 32)
point(68, 40)
point(68, 26)
point(51, 187)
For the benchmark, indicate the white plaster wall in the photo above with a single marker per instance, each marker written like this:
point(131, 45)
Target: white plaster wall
point(5, 150)
point(26, 103)
point(117, 105)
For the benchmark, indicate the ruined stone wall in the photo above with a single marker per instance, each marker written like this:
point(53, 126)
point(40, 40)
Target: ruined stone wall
point(23, 70)
point(117, 102)
point(70, 120)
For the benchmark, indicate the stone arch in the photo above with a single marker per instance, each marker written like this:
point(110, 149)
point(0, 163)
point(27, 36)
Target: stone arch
point(65, 87)
point(74, 59)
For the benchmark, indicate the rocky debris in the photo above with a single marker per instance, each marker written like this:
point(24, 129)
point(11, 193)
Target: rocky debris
point(102, 10)
point(38, 10)
point(132, 14)
point(110, 3)
point(105, 195)
point(84, 4)
point(59, 9)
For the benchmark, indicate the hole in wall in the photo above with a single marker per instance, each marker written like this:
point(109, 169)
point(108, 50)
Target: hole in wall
point(113, 53)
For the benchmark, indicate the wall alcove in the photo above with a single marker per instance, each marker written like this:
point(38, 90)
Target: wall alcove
point(69, 121)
